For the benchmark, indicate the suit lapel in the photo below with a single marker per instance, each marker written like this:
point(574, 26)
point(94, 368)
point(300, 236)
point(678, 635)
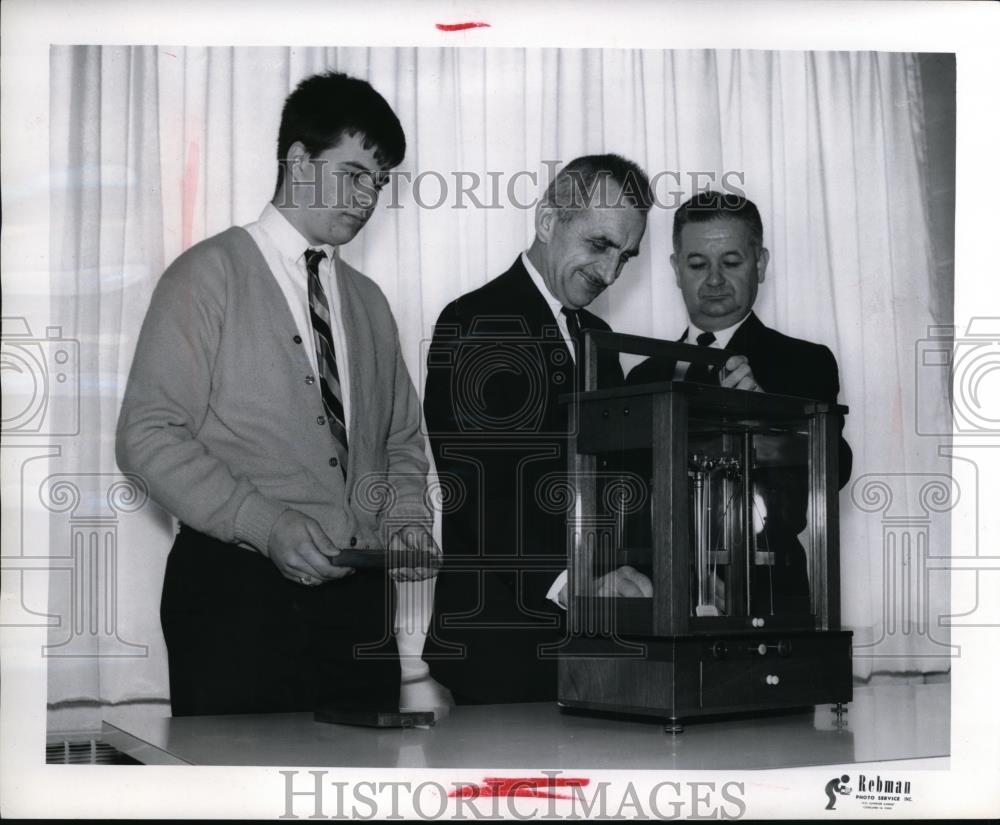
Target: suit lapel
point(745, 339)
point(750, 340)
point(530, 303)
point(534, 308)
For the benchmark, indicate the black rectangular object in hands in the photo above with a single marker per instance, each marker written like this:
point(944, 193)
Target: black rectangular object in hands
point(380, 558)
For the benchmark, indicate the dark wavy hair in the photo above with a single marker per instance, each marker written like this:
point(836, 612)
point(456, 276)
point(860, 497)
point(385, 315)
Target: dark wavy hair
point(325, 107)
point(709, 205)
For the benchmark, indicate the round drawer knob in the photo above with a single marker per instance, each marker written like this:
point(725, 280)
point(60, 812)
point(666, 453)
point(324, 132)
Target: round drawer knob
point(762, 649)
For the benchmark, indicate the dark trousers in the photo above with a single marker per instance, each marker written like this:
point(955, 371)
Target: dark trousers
point(241, 638)
point(504, 656)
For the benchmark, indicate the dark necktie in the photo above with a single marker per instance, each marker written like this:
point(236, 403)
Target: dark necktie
point(573, 325)
point(703, 373)
point(326, 357)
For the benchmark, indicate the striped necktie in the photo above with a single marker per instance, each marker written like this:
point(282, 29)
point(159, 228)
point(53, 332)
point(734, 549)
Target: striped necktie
point(326, 357)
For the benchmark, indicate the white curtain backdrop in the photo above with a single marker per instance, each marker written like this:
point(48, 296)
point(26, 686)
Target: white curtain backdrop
point(155, 148)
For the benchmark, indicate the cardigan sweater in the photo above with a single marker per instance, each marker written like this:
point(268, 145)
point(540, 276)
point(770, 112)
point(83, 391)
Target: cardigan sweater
point(222, 415)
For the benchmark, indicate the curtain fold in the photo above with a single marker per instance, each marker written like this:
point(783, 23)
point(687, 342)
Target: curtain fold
point(160, 147)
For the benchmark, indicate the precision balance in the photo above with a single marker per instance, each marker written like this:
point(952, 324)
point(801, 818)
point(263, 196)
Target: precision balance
point(727, 500)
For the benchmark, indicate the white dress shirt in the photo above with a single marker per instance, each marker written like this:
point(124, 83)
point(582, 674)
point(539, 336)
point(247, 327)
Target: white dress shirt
point(555, 305)
point(284, 248)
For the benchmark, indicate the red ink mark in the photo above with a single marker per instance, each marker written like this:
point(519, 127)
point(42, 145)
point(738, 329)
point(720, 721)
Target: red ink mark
point(189, 191)
point(538, 787)
point(170, 54)
point(460, 27)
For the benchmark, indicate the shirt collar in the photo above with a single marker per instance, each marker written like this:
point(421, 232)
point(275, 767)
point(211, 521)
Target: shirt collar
point(285, 237)
point(722, 336)
point(555, 306)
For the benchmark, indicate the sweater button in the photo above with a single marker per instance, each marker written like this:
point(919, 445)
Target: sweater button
point(354, 541)
point(333, 462)
point(310, 380)
point(297, 339)
point(320, 420)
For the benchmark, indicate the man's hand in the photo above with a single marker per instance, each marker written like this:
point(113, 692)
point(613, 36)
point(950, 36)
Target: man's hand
point(415, 538)
point(739, 376)
point(299, 549)
point(425, 693)
point(625, 581)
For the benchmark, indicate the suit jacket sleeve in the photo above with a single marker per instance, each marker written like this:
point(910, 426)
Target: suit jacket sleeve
point(443, 427)
point(845, 455)
point(816, 377)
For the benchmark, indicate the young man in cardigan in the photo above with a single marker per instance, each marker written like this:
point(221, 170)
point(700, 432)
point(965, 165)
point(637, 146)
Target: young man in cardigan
point(267, 408)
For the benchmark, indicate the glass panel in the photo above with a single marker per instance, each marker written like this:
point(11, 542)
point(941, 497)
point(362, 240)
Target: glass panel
point(747, 528)
point(746, 551)
point(715, 522)
point(780, 574)
point(616, 533)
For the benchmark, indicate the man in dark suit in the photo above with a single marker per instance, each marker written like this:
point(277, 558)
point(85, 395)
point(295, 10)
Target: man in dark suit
point(719, 260)
point(500, 358)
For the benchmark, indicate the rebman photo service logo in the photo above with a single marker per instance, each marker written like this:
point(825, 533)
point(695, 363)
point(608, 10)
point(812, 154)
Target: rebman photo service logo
point(872, 792)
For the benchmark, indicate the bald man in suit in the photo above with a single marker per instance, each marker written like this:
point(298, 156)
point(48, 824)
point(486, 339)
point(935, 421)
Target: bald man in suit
point(501, 357)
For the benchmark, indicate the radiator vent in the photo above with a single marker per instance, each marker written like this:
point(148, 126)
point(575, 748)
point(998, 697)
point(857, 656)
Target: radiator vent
point(85, 752)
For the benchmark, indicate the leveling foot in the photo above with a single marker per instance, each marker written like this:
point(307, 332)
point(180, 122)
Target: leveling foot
point(840, 709)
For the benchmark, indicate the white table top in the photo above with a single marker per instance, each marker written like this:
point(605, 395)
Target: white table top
point(883, 723)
